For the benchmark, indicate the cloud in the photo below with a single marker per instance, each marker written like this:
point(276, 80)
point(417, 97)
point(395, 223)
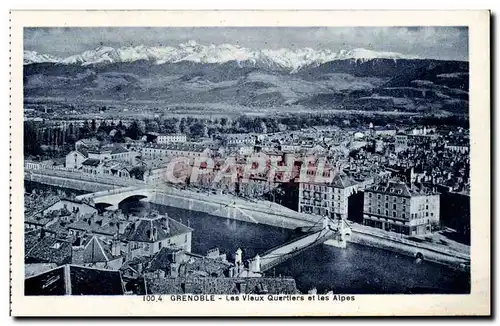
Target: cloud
point(427, 42)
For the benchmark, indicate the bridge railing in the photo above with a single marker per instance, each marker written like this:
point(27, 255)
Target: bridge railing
point(78, 175)
point(283, 257)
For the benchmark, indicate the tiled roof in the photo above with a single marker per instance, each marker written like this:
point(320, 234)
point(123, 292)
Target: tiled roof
point(119, 149)
point(221, 285)
point(98, 224)
point(341, 180)
point(46, 250)
point(161, 260)
point(96, 250)
point(143, 229)
point(75, 280)
point(91, 162)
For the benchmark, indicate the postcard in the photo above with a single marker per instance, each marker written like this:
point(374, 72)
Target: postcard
point(250, 163)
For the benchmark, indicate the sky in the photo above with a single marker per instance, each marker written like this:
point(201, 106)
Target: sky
point(447, 43)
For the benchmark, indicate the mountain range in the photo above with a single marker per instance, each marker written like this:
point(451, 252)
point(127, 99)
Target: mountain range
point(285, 59)
point(232, 75)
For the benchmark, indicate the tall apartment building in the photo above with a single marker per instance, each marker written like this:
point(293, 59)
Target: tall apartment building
point(395, 206)
point(327, 199)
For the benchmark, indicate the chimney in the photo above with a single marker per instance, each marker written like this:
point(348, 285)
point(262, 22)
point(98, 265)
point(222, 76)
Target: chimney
point(115, 247)
point(166, 224)
point(238, 257)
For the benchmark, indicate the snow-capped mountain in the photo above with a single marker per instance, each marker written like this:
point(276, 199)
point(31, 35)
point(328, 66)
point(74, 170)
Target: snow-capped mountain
point(35, 57)
point(286, 59)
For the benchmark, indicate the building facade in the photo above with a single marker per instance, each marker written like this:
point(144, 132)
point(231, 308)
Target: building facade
point(327, 199)
point(171, 138)
point(400, 208)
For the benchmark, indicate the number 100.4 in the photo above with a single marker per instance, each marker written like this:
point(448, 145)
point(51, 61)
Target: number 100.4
point(151, 298)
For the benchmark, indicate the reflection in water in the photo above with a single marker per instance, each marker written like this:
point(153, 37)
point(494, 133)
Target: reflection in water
point(355, 270)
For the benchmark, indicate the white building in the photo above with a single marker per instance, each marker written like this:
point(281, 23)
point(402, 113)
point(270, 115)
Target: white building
point(171, 138)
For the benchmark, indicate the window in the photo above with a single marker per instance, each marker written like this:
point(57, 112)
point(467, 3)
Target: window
point(378, 196)
point(386, 205)
point(427, 214)
point(426, 206)
point(403, 215)
point(386, 213)
point(395, 198)
point(159, 245)
point(370, 195)
point(386, 197)
point(393, 214)
point(404, 200)
point(393, 206)
point(378, 211)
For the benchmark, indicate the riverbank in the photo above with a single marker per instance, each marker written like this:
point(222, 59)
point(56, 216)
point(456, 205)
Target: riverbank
point(276, 215)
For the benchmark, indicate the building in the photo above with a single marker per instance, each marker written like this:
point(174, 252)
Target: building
point(187, 150)
point(240, 139)
point(148, 235)
point(327, 199)
point(75, 280)
point(75, 158)
point(397, 207)
point(401, 142)
point(94, 251)
point(171, 138)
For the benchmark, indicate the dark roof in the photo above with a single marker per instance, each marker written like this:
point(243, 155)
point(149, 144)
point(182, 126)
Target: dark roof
point(143, 229)
point(75, 280)
point(392, 188)
point(341, 180)
point(98, 224)
point(96, 251)
point(46, 249)
point(91, 161)
point(83, 151)
point(221, 285)
point(161, 260)
point(118, 149)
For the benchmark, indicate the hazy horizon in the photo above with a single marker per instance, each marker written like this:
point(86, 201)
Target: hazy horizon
point(445, 43)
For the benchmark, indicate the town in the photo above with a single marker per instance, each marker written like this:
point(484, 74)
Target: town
point(398, 186)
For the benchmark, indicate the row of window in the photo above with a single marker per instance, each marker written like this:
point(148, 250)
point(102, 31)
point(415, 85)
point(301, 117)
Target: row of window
point(403, 215)
point(394, 206)
point(394, 198)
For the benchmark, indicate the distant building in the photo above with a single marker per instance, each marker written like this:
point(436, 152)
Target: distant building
point(401, 142)
point(188, 150)
point(171, 138)
point(396, 207)
point(75, 158)
point(240, 139)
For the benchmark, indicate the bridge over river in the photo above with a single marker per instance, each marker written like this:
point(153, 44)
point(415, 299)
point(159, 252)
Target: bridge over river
point(331, 232)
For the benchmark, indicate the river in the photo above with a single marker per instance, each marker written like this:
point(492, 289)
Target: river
point(355, 270)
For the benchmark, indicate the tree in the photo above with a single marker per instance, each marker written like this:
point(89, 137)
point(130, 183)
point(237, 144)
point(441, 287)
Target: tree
point(31, 141)
point(117, 137)
point(197, 129)
point(133, 131)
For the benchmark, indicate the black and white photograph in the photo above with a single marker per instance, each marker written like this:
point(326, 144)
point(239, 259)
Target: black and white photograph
point(225, 163)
